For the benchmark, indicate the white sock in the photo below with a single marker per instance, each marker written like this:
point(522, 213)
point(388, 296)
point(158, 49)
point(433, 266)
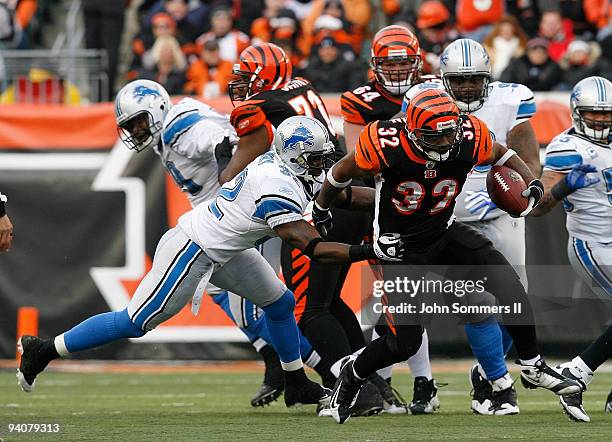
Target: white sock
point(419, 362)
point(258, 344)
point(582, 370)
point(313, 359)
point(293, 365)
point(60, 346)
point(531, 361)
point(502, 383)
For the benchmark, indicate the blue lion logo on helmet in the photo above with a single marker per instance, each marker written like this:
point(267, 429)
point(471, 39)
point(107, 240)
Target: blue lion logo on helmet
point(299, 135)
point(576, 94)
point(142, 91)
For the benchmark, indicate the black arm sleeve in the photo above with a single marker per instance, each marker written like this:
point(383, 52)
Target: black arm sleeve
point(223, 154)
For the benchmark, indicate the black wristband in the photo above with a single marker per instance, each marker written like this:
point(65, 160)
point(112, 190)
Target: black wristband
point(349, 197)
point(2, 209)
point(361, 252)
point(560, 190)
point(310, 247)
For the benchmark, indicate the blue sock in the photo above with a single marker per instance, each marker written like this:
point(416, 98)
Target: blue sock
point(284, 332)
point(101, 329)
point(506, 339)
point(485, 338)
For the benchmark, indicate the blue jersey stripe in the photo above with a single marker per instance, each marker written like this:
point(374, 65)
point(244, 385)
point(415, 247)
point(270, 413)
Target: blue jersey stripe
point(590, 265)
point(268, 207)
point(562, 162)
point(168, 286)
point(178, 127)
point(527, 109)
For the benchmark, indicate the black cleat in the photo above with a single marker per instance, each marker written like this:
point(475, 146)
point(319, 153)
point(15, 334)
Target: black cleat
point(345, 393)
point(369, 401)
point(265, 395)
point(482, 393)
point(541, 375)
point(504, 402)
point(425, 399)
point(608, 406)
point(306, 393)
point(393, 402)
point(572, 406)
point(273, 382)
point(33, 361)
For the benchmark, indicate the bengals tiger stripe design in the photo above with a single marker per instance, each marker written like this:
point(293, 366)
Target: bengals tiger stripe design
point(395, 40)
point(429, 109)
point(268, 62)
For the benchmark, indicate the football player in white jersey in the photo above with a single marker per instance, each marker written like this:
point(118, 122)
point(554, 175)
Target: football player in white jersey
point(506, 109)
point(194, 146)
point(578, 172)
point(214, 242)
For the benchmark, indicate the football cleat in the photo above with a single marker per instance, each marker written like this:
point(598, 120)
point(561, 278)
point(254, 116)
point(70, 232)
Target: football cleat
point(482, 393)
point(345, 393)
point(425, 399)
point(572, 406)
point(369, 402)
point(504, 402)
point(32, 361)
point(608, 406)
point(306, 393)
point(265, 395)
point(543, 376)
point(273, 382)
point(393, 402)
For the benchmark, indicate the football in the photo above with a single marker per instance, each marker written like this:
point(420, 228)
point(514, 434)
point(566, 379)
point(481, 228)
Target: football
point(505, 187)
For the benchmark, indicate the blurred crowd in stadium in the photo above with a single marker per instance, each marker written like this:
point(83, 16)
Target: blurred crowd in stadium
point(190, 46)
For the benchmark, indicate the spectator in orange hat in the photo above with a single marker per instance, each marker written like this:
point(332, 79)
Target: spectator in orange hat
point(435, 33)
point(558, 31)
point(506, 41)
point(231, 41)
point(535, 69)
point(209, 75)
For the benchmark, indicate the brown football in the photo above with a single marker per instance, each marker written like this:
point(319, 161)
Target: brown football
point(505, 187)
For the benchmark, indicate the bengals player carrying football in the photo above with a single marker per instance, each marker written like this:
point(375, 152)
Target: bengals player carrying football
point(420, 164)
point(396, 65)
point(267, 95)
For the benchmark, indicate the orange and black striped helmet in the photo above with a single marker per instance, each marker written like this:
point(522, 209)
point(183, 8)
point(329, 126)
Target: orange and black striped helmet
point(433, 123)
point(261, 67)
point(396, 58)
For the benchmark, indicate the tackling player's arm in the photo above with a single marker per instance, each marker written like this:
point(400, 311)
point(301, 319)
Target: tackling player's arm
point(549, 180)
point(523, 140)
point(255, 132)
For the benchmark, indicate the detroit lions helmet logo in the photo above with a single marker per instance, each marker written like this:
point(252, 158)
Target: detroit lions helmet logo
point(299, 135)
point(576, 94)
point(142, 91)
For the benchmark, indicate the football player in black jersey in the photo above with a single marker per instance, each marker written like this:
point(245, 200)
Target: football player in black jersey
point(420, 164)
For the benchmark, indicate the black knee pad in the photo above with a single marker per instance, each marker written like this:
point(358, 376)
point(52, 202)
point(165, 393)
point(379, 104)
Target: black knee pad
point(405, 342)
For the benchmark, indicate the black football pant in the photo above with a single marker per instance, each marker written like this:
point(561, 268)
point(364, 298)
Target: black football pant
point(469, 255)
point(599, 351)
point(323, 317)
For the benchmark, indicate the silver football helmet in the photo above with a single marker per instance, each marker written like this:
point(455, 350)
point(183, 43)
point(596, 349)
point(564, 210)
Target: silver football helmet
point(304, 145)
point(140, 109)
point(465, 59)
point(592, 94)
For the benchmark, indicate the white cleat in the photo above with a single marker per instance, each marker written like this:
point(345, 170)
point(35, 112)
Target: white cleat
point(543, 376)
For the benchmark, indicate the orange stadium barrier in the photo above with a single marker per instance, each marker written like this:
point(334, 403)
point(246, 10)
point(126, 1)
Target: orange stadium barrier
point(35, 127)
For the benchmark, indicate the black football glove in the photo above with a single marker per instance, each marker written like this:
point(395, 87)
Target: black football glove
point(535, 192)
point(322, 219)
point(390, 247)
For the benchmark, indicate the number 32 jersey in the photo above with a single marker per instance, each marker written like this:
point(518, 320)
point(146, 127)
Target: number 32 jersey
point(416, 196)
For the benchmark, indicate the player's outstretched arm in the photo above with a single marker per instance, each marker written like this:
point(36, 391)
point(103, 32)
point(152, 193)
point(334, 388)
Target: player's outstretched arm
point(523, 140)
point(559, 185)
point(250, 146)
point(303, 236)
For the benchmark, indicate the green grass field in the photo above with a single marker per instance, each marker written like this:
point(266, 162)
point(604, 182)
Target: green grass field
point(215, 406)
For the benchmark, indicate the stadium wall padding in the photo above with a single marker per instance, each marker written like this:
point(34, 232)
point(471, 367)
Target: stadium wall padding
point(88, 213)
